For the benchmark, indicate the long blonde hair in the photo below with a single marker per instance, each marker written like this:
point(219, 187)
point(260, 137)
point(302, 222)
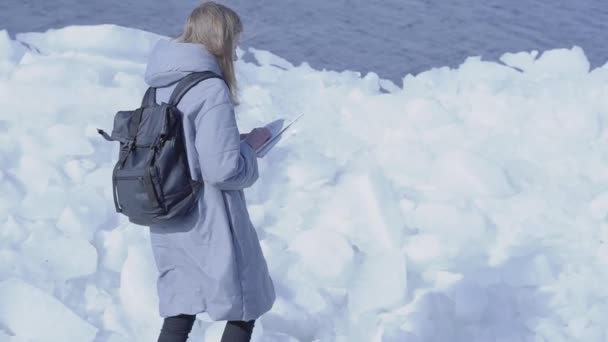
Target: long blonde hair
point(217, 28)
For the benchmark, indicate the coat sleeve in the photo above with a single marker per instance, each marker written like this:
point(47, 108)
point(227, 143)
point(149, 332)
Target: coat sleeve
point(225, 161)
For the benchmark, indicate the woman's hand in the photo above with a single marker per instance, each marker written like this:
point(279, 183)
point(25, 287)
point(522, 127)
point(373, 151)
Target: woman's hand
point(257, 137)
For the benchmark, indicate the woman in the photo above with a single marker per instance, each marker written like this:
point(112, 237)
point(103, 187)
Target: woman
point(211, 260)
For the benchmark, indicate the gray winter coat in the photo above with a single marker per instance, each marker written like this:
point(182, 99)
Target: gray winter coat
point(211, 260)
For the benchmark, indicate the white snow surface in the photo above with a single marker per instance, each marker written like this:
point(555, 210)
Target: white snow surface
point(464, 205)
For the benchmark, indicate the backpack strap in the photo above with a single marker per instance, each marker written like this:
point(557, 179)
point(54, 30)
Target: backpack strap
point(188, 82)
point(134, 124)
point(149, 98)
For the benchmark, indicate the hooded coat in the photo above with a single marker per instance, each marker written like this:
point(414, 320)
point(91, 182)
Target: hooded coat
point(210, 260)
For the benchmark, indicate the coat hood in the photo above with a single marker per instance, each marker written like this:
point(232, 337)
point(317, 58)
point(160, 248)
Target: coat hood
point(169, 61)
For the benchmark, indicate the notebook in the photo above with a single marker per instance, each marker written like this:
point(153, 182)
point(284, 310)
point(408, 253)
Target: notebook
point(276, 128)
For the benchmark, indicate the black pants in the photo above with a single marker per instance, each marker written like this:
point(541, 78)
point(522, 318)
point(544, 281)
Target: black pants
point(177, 329)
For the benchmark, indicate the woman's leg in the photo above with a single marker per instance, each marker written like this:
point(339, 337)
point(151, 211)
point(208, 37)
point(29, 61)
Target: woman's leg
point(176, 328)
point(238, 331)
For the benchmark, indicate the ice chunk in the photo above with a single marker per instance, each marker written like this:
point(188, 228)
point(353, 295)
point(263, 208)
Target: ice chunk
point(138, 292)
point(427, 114)
point(529, 271)
point(96, 299)
point(34, 172)
point(114, 319)
point(69, 223)
point(288, 318)
point(12, 233)
point(52, 71)
point(215, 330)
point(117, 338)
point(310, 170)
point(9, 262)
point(52, 320)
point(470, 301)
point(475, 74)
point(561, 63)
point(115, 247)
point(59, 146)
point(448, 221)
point(442, 280)
point(54, 199)
point(599, 207)
point(84, 214)
point(521, 60)
point(389, 86)
point(465, 174)
point(62, 257)
point(308, 299)
point(276, 337)
point(256, 95)
point(441, 79)
point(106, 40)
point(366, 190)
point(383, 275)
point(423, 248)
point(326, 254)
point(101, 178)
point(10, 53)
point(268, 58)
point(11, 338)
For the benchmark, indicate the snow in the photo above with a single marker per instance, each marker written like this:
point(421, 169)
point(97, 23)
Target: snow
point(465, 204)
point(30, 313)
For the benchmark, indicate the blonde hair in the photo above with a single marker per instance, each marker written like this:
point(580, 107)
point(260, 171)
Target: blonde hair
point(217, 28)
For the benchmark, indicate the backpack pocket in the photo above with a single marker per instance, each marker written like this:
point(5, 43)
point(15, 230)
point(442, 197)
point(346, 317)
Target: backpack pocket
point(139, 193)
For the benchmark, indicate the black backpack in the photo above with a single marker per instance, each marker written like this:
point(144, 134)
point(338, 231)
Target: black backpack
point(151, 181)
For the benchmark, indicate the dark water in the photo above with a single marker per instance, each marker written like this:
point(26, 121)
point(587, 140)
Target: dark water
point(390, 37)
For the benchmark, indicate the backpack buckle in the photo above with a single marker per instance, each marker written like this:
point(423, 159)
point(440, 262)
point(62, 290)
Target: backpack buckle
point(129, 145)
point(158, 142)
point(125, 151)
